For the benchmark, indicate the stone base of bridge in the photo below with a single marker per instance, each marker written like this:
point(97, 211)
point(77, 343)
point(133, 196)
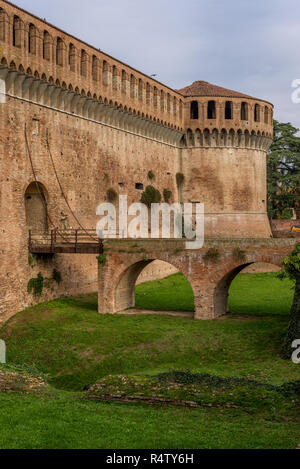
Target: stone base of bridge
point(209, 271)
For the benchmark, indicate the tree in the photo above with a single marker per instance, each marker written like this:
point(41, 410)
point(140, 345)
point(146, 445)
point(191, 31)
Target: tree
point(283, 171)
point(292, 271)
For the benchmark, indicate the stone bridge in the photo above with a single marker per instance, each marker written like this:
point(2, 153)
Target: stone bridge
point(210, 270)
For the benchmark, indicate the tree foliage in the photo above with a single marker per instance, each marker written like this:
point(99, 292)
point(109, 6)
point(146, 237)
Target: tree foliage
point(284, 171)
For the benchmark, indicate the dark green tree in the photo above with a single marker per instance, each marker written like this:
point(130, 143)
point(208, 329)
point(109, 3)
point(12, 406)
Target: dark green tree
point(283, 171)
point(291, 270)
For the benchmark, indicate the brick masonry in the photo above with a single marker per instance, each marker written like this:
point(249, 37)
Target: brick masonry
point(107, 126)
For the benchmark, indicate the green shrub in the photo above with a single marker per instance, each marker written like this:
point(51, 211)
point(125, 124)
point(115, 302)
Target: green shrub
point(36, 285)
point(213, 254)
point(151, 176)
point(167, 195)
point(151, 196)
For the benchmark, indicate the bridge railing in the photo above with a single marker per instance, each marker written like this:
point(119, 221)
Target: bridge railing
point(59, 240)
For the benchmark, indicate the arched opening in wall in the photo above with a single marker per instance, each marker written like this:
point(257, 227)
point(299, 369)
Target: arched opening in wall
point(266, 115)
point(194, 110)
point(114, 78)
point(155, 286)
point(59, 52)
point(32, 39)
point(162, 101)
point(72, 58)
point(211, 110)
point(124, 82)
point(36, 207)
point(155, 94)
point(148, 91)
point(16, 31)
point(2, 25)
point(252, 289)
point(244, 111)
point(46, 45)
point(228, 110)
point(168, 103)
point(175, 106)
point(257, 113)
point(140, 89)
point(83, 63)
point(95, 68)
point(132, 86)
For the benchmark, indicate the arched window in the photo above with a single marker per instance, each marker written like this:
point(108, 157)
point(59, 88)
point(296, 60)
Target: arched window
point(228, 110)
point(36, 207)
point(46, 45)
point(32, 39)
point(124, 82)
point(115, 78)
point(2, 25)
point(266, 115)
point(244, 111)
point(140, 89)
point(155, 94)
point(168, 103)
point(148, 91)
point(211, 110)
point(59, 52)
point(83, 63)
point(16, 32)
point(72, 58)
point(194, 110)
point(132, 86)
point(95, 68)
point(162, 101)
point(175, 106)
point(257, 113)
point(180, 109)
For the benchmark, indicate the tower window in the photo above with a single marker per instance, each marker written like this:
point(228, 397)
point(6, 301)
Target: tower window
point(139, 186)
point(257, 113)
point(194, 110)
point(228, 110)
point(211, 110)
point(244, 111)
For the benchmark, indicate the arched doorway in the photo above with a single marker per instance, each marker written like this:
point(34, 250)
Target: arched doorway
point(166, 288)
point(36, 207)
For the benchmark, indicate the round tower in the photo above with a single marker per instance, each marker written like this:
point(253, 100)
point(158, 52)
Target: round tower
point(224, 161)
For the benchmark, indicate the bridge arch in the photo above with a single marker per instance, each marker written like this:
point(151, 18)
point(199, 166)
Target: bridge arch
point(221, 291)
point(120, 295)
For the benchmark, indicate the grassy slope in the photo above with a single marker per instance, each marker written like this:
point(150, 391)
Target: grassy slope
point(73, 344)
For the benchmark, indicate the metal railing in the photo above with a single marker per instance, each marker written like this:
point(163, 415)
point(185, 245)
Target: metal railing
point(56, 240)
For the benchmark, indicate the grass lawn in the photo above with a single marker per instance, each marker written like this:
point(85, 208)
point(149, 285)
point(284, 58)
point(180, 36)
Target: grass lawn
point(74, 346)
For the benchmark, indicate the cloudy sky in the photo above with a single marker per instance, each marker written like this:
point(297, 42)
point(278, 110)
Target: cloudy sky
point(251, 46)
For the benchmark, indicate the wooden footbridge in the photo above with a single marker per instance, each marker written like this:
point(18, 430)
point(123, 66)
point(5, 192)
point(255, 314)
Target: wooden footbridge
point(65, 242)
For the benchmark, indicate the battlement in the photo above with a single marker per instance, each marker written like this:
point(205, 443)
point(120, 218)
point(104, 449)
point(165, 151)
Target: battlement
point(31, 45)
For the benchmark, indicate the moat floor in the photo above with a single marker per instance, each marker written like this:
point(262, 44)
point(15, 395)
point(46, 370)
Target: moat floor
point(240, 376)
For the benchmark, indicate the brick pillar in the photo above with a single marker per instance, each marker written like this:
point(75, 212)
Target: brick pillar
point(105, 289)
point(204, 299)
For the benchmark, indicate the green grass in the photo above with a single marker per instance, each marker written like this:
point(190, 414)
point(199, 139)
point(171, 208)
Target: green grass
point(156, 295)
point(70, 343)
point(63, 421)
